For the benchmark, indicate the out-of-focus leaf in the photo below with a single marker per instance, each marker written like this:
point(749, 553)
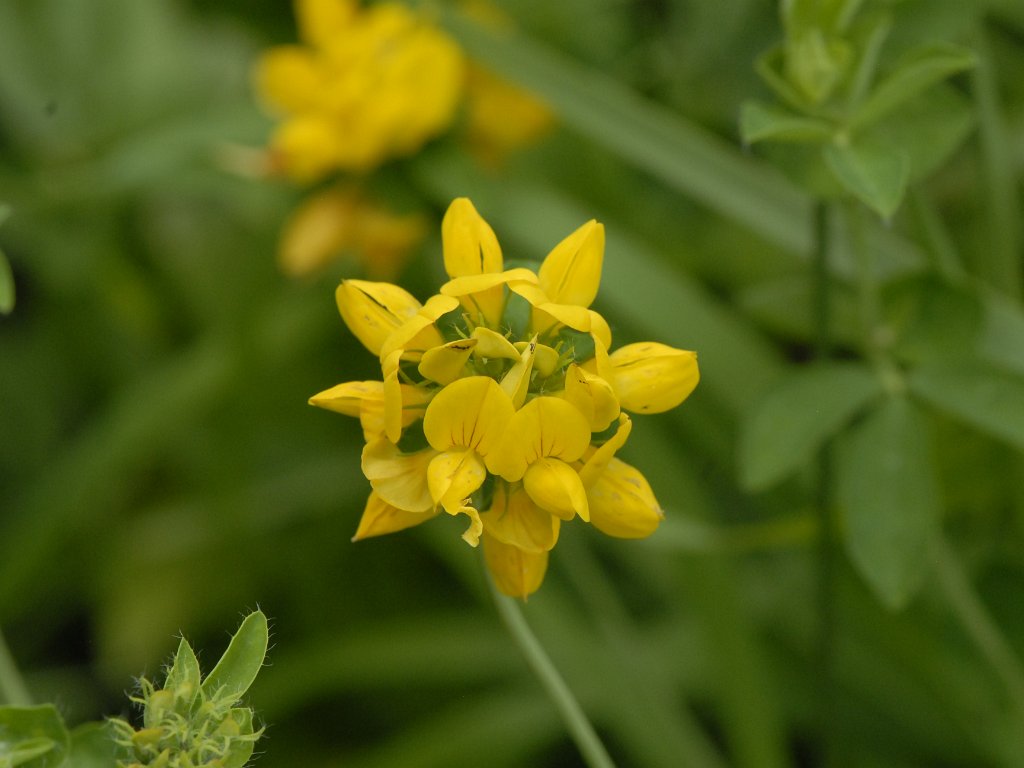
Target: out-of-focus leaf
point(242, 660)
point(761, 122)
point(921, 68)
point(92, 746)
point(873, 173)
point(929, 128)
point(1002, 339)
point(887, 489)
point(785, 428)
point(33, 737)
point(785, 305)
point(979, 394)
point(932, 319)
point(683, 155)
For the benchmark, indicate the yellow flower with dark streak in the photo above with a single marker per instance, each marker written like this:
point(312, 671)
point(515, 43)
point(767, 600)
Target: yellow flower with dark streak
point(501, 399)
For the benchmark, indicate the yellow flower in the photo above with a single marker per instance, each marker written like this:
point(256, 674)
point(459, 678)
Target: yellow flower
point(369, 84)
point(344, 221)
point(500, 401)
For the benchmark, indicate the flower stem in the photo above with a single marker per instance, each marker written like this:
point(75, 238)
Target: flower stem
point(580, 729)
point(823, 492)
point(12, 687)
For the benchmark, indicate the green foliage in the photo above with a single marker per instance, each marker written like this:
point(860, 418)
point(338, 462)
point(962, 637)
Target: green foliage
point(159, 465)
point(190, 722)
point(888, 492)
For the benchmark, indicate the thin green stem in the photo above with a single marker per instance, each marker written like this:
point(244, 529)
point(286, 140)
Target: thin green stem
point(978, 624)
point(580, 729)
point(12, 687)
point(823, 501)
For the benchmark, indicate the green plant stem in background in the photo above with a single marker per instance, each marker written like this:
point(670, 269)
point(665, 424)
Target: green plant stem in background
point(580, 729)
point(978, 624)
point(823, 496)
point(13, 690)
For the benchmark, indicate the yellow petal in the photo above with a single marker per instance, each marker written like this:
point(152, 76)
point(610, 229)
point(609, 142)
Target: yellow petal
point(287, 79)
point(622, 504)
point(483, 295)
point(400, 479)
point(392, 397)
point(319, 230)
point(446, 363)
point(305, 147)
point(491, 344)
point(373, 311)
point(571, 273)
point(418, 333)
point(516, 381)
point(379, 518)
point(545, 359)
point(453, 477)
point(321, 21)
point(599, 458)
point(556, 487)
point(347, 398)
point(545, 426)
point(600, 330)
point(469, 244)
point(514, 519)
point(470, 413)
point(516, 573)
point(651, 378)
point(547, 314)
point(592, 396)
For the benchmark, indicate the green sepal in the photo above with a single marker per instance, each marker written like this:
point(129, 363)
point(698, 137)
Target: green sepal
point(183, 679)
point(244, 739)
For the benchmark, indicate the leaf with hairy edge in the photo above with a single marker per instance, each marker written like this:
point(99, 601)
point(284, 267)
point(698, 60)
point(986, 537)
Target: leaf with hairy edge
point(242, 660)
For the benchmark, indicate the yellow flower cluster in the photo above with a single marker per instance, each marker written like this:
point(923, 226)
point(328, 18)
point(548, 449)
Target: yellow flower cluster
point(501, 400)
point(369, 84)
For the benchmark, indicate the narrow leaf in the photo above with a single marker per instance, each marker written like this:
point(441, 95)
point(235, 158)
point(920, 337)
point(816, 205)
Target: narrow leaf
point(242, 660)
point(979, 394)
point(923, 67)
point(876, 175)
point(888, 490)
point(788, 425)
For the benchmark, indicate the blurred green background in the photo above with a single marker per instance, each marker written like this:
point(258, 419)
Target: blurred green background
point(161, 472)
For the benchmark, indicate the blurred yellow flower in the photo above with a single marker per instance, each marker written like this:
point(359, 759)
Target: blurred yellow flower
point(501, 117)
point(344, 221)
point(500, 400)
point(369, 84)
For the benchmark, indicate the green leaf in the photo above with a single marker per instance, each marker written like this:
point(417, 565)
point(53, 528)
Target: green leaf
point(873, 173)
point(92, 746)
point(923, 67)
point(760, 122)
point(932, 319)
point(242, 660)
point(183, 679)
point(887, 488)
point(787, 426)
point(684, 155)
point(929, 128)
point(977, 393)
point(33, 737)
point(1002, 339)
